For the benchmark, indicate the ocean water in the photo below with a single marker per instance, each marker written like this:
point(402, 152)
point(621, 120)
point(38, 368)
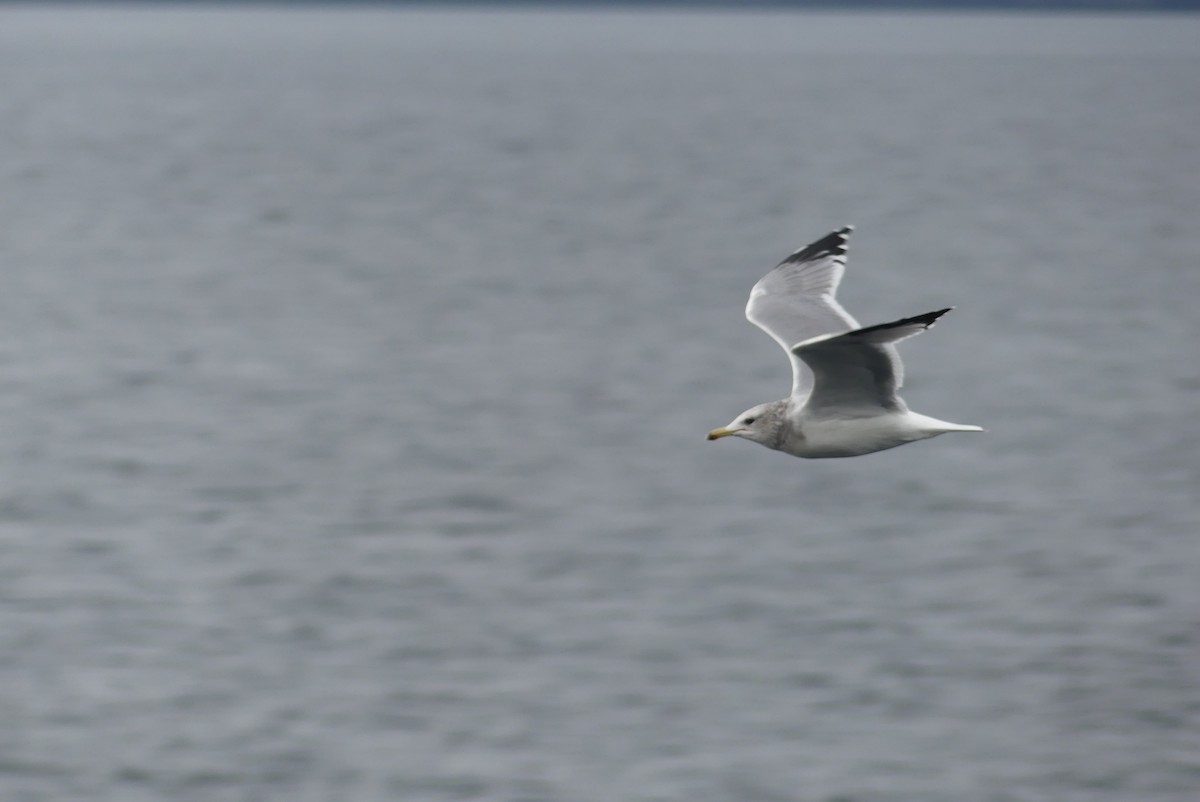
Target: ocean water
point(355, 368)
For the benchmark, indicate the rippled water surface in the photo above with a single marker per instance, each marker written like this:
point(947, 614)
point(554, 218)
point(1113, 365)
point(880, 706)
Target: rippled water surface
point(355, 370)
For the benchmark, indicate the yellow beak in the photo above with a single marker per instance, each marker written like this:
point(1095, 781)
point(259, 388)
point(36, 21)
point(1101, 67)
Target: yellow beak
point(717, 434)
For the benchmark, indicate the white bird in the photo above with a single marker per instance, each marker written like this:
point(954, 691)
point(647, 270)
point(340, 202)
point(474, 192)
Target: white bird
point(844, 378)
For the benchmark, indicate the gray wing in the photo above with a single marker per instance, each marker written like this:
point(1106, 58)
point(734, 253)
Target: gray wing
point(857, 373)
point(795, 301)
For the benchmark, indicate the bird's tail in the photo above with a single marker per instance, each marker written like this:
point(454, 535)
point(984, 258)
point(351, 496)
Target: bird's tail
point(961, 427)
point(941, 426)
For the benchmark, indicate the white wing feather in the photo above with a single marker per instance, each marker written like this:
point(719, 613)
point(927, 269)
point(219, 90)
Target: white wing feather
point(795, 302)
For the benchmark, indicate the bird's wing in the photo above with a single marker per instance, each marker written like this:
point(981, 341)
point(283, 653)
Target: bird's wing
point(795, 301)
point(857, 373)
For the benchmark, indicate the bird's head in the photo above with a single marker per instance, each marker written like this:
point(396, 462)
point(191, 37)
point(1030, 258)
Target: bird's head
point(762, 424)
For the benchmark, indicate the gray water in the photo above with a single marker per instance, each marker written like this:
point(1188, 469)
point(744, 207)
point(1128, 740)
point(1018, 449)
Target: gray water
point(355, 369)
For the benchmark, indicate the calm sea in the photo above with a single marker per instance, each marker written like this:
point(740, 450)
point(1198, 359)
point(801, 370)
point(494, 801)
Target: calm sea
point(355, 368)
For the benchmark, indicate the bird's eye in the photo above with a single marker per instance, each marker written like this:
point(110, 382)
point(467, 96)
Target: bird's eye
point(748, 421)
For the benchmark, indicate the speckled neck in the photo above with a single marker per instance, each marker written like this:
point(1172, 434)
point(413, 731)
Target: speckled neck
point(779, 428)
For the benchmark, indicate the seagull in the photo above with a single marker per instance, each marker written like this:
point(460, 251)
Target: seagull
point(844, 377)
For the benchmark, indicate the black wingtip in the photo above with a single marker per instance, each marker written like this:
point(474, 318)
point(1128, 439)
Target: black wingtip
point(928, 318)
point(925, 321)
point(833, 244)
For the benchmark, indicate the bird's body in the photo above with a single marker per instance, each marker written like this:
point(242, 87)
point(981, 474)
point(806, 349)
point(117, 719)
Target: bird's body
point(853, 437)
point(844, 400)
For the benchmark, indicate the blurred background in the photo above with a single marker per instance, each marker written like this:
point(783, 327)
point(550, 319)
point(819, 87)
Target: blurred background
point(355, 367)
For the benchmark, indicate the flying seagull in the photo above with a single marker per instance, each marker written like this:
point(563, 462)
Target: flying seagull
point(844, 378)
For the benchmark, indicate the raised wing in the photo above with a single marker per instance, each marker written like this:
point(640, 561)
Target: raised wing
point(795, 301)
point(858, 372)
